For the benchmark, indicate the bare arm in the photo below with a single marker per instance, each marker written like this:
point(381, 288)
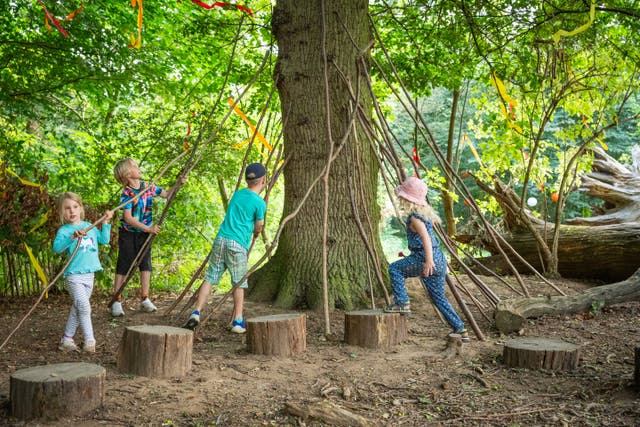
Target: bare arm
point(129, 219)
point(419, 227)
point(257, 227)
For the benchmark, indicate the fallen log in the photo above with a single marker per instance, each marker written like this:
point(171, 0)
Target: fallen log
point(603, 246)
point(616, 184)
point(608, 253)
point(511, 315)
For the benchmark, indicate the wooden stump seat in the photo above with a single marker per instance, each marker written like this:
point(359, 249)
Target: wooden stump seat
point(155, 351)
point(375, 328)
point(541, 353)
point(56, 391)
point(277, 335)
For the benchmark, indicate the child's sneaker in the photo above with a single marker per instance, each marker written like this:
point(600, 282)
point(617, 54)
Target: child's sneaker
point(238, 326)
point(395, 308)
point(89, 346)
point(67, 344)
point(116, 309)
point(147, 305)
point(193, 322)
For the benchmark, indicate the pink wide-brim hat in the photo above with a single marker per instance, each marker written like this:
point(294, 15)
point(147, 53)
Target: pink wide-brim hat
point(413, 190)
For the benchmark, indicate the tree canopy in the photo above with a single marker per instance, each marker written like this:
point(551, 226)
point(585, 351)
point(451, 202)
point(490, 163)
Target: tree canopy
point(536, 84)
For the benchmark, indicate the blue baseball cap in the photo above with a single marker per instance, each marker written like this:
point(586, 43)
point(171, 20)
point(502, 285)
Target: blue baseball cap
point(254, 171)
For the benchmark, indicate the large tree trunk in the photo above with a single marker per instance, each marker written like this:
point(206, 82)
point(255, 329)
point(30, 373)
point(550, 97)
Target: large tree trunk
point(293, 277)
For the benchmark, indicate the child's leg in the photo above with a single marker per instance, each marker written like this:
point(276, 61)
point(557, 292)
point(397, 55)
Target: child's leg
point(435, 287)
point(145, 283)
point(238, 303)
point(410, 266)
point(126, 255)
point(144, 265)
point(203, 295)
point(235, 258)
point(118, 282)
point(80, 287)
point(212, 277)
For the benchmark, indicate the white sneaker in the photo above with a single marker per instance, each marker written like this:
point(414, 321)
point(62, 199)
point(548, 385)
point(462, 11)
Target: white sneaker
point(147, 305)
point(89, 346)
point(116, 309)
point(67, 344)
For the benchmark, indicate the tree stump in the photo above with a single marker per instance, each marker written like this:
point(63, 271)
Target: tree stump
point(453, 348)
point(155, 351)
point(277, 335)
point(541, 353)
point(56, 391)
point(374, 328)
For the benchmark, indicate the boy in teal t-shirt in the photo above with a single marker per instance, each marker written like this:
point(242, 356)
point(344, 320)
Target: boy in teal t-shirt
point(243, 220)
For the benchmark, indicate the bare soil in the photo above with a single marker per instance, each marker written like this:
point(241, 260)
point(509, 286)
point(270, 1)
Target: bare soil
point(409, 385)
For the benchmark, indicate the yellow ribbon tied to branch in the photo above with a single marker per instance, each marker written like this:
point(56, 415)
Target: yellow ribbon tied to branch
point(254, 130)
point(564, 33)
point(509, 101)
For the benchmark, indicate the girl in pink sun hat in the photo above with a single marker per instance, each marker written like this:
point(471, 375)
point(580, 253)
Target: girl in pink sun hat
point(426, 260)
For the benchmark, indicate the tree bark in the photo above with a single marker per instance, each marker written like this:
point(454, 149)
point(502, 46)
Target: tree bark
point(375, 329)
point(277, 335)
point(541, 353)
point(293, 276)
point(511, 315)
point(155, 351)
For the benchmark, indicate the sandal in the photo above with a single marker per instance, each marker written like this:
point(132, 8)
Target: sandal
point(464, 336)
point(395, 308)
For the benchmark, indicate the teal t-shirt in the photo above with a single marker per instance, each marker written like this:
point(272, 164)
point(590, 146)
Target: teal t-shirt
point(245, 208)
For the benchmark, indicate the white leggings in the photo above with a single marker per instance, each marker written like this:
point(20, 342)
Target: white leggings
point(80, 287)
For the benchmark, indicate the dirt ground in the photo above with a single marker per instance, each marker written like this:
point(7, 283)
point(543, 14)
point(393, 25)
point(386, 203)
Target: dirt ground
point(408, 385)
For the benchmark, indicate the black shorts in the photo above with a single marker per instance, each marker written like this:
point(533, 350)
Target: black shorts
point(129, 244)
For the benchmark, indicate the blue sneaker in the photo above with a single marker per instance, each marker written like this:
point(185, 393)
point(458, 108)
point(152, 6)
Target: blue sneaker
point(238, 326)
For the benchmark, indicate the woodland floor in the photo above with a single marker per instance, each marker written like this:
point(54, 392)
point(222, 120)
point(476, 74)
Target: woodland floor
point(407, 385)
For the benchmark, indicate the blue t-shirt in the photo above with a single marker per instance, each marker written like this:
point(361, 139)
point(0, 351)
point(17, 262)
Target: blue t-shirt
point(86, 259)
point(245, 208)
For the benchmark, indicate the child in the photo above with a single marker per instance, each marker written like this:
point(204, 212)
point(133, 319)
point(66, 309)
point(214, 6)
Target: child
point(426, 259)
point(80, 272)
point(244, 218)
point(136, 224)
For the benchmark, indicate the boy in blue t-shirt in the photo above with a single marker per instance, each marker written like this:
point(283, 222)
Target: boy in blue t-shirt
point(244, 218)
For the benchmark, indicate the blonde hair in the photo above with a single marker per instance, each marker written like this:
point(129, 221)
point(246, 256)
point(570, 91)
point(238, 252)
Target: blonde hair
point(122, 169)
point(426, 211)
point(70, 196)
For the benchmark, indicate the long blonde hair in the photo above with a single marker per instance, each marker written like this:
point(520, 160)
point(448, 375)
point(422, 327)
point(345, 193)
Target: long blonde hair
point(426, 211)
point(70, 196)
